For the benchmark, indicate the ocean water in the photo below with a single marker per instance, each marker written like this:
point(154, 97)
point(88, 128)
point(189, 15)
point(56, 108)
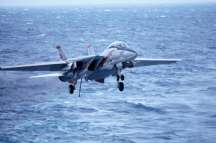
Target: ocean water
point(167, 103)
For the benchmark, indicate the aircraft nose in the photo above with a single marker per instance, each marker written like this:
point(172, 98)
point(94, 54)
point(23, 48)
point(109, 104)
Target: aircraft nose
point(133, 53)
point(129, 54)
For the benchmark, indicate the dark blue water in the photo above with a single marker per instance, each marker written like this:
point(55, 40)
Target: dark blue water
point(167, 103)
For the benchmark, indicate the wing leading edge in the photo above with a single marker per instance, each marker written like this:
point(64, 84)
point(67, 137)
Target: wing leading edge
point(48, 66)
point(138, 62)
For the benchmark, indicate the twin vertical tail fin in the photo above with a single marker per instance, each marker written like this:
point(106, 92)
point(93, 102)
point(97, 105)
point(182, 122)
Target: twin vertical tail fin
point(61, 53)
point(91, 50)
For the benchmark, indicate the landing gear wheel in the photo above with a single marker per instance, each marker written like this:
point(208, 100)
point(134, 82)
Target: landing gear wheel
point(121, 86)
point(71, 89)
point(122, 77)
point(117, 77)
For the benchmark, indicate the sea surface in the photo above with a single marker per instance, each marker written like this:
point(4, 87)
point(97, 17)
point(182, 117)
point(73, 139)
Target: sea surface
point(160, 104)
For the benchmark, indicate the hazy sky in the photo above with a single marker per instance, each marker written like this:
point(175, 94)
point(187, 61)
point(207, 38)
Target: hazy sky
point(94, 2)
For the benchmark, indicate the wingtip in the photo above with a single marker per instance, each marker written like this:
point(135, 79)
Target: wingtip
point(178, 60)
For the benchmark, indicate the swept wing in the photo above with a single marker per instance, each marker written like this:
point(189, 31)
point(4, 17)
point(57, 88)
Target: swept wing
point(47, 66)
point(138, 62)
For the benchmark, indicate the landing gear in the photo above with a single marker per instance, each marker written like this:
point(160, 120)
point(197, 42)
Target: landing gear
point(120, 86)
point(120, 79)
point(71, 89)
point(71, 86)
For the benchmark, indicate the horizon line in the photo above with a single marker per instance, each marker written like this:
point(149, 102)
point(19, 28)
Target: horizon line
point(107, 4)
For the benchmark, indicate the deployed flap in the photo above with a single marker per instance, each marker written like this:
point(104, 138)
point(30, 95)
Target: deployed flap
point(148, 62)
point(47, 75)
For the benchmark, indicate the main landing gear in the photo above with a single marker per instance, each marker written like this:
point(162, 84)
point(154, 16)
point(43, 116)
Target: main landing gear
point(120, 79)
point(72, 86)
point(71, 89)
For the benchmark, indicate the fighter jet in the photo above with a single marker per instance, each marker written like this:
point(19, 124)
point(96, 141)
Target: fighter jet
point(115, 58)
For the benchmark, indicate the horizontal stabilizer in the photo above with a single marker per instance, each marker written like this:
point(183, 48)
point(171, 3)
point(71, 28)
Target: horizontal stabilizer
point(47, 75)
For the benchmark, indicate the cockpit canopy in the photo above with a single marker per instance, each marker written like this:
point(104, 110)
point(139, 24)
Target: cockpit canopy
point(118, 45)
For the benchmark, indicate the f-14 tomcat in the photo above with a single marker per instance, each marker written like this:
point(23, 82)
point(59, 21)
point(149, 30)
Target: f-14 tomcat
point(115, 58)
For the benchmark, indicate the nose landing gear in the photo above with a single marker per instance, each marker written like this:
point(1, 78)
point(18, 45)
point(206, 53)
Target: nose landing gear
point(120, 86)
point(120, 79)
